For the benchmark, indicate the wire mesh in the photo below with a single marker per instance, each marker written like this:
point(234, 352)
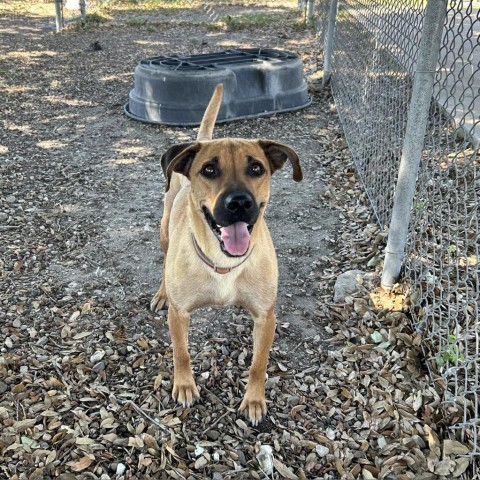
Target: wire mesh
point(321, 19)
point(443, 261)
point(375, 52)
point(375, 55)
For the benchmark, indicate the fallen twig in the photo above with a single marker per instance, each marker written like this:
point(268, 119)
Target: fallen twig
point(142, 412)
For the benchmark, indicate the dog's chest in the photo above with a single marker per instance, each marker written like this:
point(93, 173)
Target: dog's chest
point(223, 289)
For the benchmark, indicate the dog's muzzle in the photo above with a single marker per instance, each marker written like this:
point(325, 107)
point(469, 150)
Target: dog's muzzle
point(232, 221)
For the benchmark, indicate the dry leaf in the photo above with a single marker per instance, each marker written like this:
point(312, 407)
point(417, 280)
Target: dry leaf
point(200, 463)
point(81, 464)
point(81, 335)
point(433, 443)
point(18, 388)
point(157, 382)
point(454, 447)
point(18, 265)
point(444, 467)
point(283, 470)
point(461, 466)
point(86, 308)
point(51, 457)
point(367, 475)
point(23, 425)
point(84, 441)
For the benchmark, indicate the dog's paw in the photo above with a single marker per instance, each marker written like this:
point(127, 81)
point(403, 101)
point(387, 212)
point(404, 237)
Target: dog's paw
point(254, 408)
point(159, 301)
point(185, 392)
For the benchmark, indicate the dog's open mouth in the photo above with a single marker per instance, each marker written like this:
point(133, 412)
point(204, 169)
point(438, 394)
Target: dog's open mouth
point(234, 239)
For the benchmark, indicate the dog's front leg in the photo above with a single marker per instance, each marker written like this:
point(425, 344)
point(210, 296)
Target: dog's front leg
point(254, 400)
point(184, 388)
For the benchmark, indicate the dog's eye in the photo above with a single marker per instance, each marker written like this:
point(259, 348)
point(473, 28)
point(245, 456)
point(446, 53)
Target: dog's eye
point(256, 169)
point(209, 170)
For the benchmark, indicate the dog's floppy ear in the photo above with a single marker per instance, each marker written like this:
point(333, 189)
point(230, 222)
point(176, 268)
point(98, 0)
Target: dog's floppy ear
point(178, 158)
point(277, 154)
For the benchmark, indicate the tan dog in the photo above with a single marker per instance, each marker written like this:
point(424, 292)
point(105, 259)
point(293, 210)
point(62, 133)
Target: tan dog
point(217, 247)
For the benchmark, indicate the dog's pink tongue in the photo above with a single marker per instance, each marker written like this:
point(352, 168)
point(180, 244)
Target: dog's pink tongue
point(236, 238)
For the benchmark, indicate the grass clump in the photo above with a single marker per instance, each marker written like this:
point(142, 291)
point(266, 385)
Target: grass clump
point(259, 20)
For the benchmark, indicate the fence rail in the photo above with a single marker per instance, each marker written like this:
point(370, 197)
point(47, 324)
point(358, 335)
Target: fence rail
point(375, 65)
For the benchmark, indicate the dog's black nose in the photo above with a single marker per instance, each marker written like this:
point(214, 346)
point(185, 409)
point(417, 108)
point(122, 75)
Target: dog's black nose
point(238, 202)
point(236, 206)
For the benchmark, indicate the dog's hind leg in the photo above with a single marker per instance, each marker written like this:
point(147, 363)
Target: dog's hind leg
point(159, 301)
point(254, 400)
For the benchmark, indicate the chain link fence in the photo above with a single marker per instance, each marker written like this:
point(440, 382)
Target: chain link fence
point(376, 48)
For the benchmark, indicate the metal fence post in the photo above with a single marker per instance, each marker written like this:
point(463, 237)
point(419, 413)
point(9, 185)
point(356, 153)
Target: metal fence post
point(83, 9)
point(328, 45)
point(310, 9)
point(414, 139)
point(58, 16)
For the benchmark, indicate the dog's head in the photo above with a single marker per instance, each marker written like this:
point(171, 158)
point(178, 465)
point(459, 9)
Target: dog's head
point(230, 183)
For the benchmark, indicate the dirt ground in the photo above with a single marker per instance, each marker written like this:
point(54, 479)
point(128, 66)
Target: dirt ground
point(85, 367)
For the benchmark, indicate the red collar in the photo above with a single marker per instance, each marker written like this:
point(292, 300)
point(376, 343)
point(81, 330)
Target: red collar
point(207, 261)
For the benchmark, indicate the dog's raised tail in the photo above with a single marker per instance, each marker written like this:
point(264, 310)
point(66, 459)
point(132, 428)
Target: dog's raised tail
point(210, 116)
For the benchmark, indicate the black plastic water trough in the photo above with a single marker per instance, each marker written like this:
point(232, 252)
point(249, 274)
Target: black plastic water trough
point(175, 90)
